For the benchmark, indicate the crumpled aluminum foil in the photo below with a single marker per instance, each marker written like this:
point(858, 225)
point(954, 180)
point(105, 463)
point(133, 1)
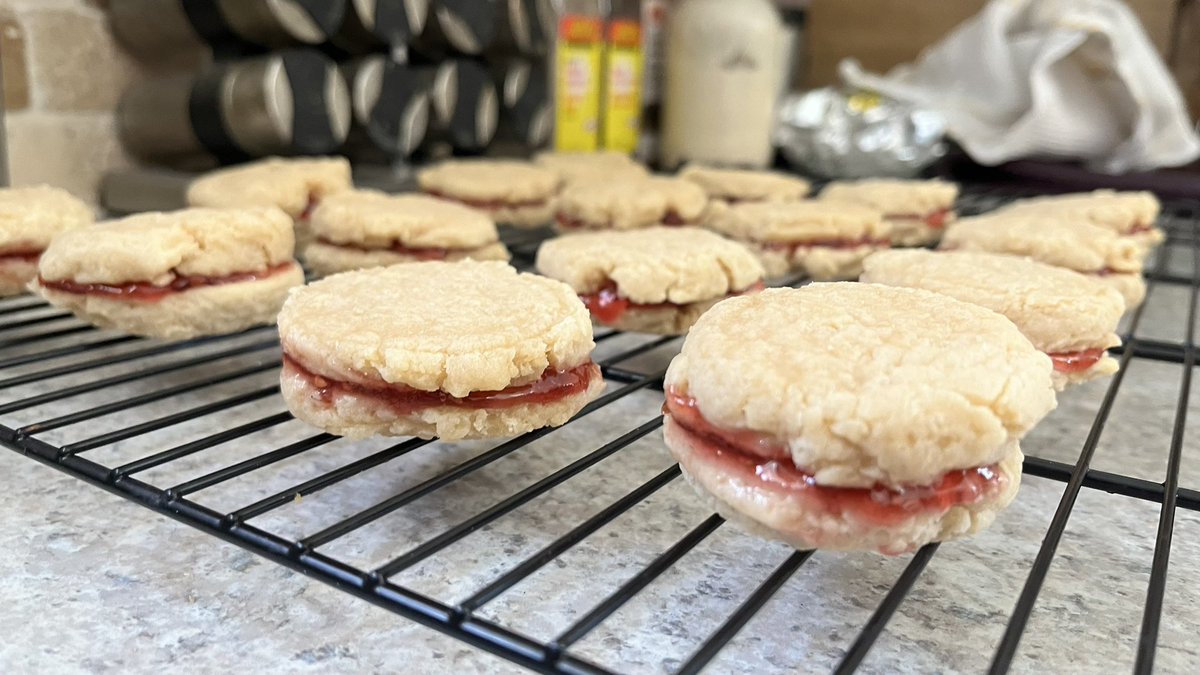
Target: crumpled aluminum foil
point(850, 133)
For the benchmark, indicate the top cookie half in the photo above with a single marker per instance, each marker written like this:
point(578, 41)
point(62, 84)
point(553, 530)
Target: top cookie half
point(293, 185)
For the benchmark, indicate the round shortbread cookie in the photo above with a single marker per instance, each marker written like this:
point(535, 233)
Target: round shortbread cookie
point(764, 513)
point(490, 180)
point(158, 247)
point(1116, 211)
point(324, 259)
point(1075, 245)
point(210, 310)
point(1059, 310)
point(436, 326)
point(289, 184)
point(800, 221)
point(739, 185)
point(894, 197)
point(375, 219)
point(867, 384)
point(680, 265)
point(572, 167)
point(31, 216)
point(629, 203)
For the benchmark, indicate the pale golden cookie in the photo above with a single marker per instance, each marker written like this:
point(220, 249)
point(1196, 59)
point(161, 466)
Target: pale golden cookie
point(513, 193)
point(1074, 245)
point(290, 184)
point(29, 218)
point(863, 387)
point(918, 210)
point(687, 269)
point(1125, 213)
point(629, 203)
point(826, 240)
point(1060, 311)
point(590, 166)
point(366, 228)
point(455, 328)
point(174, 275)
point(739, 185)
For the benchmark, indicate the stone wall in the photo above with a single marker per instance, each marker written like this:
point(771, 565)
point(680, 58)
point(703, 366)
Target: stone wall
point(63, 75)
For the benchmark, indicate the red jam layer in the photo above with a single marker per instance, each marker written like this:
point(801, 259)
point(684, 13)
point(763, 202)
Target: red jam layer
point(1077, 362)
point(146, 292)
point(553, 386)
point(672, 219)
point(790, 247)
point(26, 254)
point(396, 247)
point(754, 457)
point(313, 203)
point(935, 219)
point(1140, 228)
point(608, 307)
point(488, 204)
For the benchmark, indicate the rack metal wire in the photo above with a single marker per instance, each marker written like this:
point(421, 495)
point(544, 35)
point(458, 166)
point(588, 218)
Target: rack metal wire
point(55, 375)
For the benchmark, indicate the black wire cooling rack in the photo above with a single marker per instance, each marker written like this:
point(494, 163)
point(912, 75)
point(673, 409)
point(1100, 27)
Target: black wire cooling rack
point(115, 411)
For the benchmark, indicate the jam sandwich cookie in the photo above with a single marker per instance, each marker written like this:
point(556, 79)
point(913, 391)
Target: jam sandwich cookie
point(734, 186)
point(573, 167)
point(174, 275)
point(1075, 245)
point(657, 280)
point(29, 218)
point(295, 185)
point(826, 240)
point(364, 228)
point(514, 193)
point(1128, 214)
point(629, 204)
point(458, 350)
point(1068, 316)
point(851, 416)
point(918, 210)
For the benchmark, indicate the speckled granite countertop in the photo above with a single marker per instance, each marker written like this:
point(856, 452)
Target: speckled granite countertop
point(92, 583)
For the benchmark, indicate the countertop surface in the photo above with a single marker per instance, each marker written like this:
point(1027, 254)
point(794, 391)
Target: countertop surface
point(93, 583)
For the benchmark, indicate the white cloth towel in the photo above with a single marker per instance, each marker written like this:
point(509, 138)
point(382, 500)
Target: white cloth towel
point(1064, 79)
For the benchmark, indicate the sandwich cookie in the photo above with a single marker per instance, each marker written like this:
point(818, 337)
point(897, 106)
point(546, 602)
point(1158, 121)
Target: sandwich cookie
point(629, 204)
point(456, 350)
point(1087, 249)
point(855, 416)
point(174, 275)
point(295, 185)
point(918, 210)
point(734, 186)
point(29, 218)
point(573, 167)
point(826, 240)
point(364, 228)
point(1070, 317)
point(1128, 214)
point(657, 280)
point(512, 193)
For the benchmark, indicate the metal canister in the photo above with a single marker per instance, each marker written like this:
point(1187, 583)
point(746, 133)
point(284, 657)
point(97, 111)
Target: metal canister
point(465, 105)
point(465, 26)
point(391, 108)
point(526, 114)
point(372, 24)
point(291, 102)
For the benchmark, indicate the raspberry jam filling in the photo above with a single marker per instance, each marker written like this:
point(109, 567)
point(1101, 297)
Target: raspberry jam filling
point(1140, 228)
point(1077, 362)
point(551, 387)
point(608, 307)
point(935, 219)
point(396, 247)
point(313, 203)
point(672, 219)
point(27, 254)
point(488, 204)
point(790, 247)
point(757, 458)
point(141, 291)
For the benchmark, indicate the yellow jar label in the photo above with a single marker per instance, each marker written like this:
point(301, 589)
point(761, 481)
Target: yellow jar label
point(623, 86)
point(577, 84)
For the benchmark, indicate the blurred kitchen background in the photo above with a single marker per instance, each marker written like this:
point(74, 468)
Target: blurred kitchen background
point(121, 101)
